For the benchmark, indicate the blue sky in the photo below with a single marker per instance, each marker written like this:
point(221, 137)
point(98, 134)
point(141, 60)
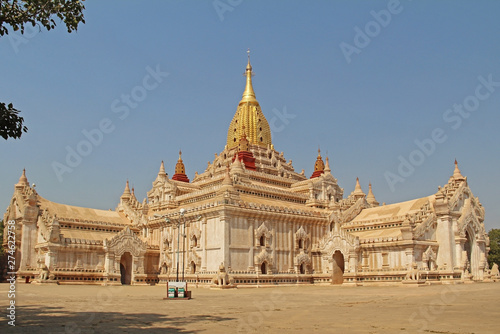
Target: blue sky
point(364, 80)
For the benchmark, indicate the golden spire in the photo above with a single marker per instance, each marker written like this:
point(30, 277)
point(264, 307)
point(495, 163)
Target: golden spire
point(179, 166)
point(249, 114)
point(319, 165)
point(180, 172)
point(248, 93)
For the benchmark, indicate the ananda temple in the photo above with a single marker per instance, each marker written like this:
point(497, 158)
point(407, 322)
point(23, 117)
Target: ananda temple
point(251, 219)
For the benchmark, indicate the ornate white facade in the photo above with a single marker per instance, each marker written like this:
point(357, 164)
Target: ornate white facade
point(251, 219)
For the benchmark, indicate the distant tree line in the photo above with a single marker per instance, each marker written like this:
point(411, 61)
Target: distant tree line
point(494, 254)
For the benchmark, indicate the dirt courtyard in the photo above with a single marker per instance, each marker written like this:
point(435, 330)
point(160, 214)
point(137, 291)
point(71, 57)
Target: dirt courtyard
point(463, 308)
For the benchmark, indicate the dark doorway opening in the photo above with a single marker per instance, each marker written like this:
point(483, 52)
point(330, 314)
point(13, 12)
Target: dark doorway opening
point(338, 268)
point(126, 268)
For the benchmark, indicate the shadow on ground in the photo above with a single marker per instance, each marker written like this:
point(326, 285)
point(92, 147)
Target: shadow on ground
point(41, 319)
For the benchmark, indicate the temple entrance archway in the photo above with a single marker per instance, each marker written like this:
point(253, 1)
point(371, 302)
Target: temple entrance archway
point(338, 268)
point(468, 250)
point(302, 268)
point(126, 268)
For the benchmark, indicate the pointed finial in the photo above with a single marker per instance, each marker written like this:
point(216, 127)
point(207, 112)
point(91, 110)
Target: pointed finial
point(319, 166)
point(327, 165)
point(357, 188)
point(180, 171)
point(248, 94)
point(370, 198)
point(249, 66)
point(126, 192)
point(227, 177)
point(456, 173)
point(23, 179)
point(162, 169)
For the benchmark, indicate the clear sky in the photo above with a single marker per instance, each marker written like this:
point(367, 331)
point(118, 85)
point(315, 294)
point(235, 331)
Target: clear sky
point(392, 91)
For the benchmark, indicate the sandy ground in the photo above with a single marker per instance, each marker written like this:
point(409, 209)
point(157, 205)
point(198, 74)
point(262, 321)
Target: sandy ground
point(464, 308)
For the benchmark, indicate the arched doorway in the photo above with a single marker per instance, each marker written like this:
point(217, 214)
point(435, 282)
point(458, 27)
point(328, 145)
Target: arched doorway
point(302, 268)
point(126, 268)
point(193, 267)
point(338, 268)
point(468, 250)
point(263, 268)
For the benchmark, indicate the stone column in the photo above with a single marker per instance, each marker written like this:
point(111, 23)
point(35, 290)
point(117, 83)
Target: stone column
point(459, 247)
point(108, 263)
point(290, 247)
point(274, 241)
point(410, 259)
point(226, 256)
point(117, 263)
point(27, 243)
point(204, 245)
point(251, 240)
point(365, 264)
point(353, 263)
point(445, 238)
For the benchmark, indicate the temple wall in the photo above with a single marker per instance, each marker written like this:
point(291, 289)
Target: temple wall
point(87, 259)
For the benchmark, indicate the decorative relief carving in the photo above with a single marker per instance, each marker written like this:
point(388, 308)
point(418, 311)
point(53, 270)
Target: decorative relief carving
point(264, 256)
point(125, 241)
point(300, 238)
point(264, 231)
point(193, 257)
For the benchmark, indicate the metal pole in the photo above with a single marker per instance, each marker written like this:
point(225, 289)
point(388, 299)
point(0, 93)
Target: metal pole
point(183, 245)
point(178, 235)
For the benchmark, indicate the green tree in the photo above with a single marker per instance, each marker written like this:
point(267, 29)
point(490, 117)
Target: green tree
point(15, 15)
point(494, 254)
point(11, 124)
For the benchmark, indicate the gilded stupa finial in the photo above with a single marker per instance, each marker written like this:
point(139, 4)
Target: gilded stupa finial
point(248, 94)
point(319, 166)
point(180, 171)
point(249, 113)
